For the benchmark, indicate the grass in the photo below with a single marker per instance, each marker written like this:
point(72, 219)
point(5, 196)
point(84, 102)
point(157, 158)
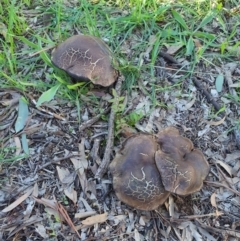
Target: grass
point(29, 27)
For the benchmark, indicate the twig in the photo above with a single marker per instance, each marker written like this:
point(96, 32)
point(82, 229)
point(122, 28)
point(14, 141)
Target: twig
point(42, 50)
point(222, 185)
point(228, 77)
point(54, 162)
point(207, 95)
point(90, 122)
point(169, 58)
point(224, 232)
point(198, 216)
point(106, 158)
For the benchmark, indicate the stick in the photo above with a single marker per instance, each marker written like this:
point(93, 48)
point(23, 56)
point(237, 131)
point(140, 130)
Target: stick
point(222, 185)
point(207, 95)
point(106, 158)
point(90, 122)
point(194, 79)
point(54, 162)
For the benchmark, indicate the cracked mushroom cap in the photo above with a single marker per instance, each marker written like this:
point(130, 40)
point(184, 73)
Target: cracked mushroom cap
point(86, 58)
point(182, 168)
point(136, 179)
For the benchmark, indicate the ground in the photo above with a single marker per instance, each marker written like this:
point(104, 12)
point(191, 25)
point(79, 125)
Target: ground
point(180, 67)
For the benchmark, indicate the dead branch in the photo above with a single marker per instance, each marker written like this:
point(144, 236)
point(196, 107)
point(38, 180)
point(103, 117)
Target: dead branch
point(209, 97)
point(106, 158)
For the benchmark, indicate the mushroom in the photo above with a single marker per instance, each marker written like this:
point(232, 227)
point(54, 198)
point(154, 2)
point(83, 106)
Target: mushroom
point(148, 168)
point(136, 179)
point(86, 58)
point(182, 168)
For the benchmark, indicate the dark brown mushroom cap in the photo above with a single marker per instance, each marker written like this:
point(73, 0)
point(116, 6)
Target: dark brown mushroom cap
point(136, 179)
point(85, 58)
point(182, 168)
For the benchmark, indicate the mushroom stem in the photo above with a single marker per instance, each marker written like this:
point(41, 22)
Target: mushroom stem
point(106, 158)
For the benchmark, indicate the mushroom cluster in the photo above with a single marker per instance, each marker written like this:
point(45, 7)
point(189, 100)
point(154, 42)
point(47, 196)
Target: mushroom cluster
point(148, 168)
point(86, 58)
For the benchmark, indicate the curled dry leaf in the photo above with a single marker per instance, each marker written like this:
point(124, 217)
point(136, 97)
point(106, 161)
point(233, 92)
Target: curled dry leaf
point(214, 204)
point(213, 200)
point(100, 218)
point(171, 206)
point(18, 201)
point(190, 104)
point(227, 168)
point(216, 123)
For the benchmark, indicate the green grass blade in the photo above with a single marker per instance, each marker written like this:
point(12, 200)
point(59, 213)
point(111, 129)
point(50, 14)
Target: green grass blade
point(207, 19)
point(48, 95)
point(179, 19)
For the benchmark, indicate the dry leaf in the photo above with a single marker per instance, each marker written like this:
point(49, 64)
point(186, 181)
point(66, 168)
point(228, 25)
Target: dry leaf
point(100, 218)
point(206, 234)
point(85, 214)
point(204, 131)
point(18, 145)
point(136, 235)
point(41, 230)
point(64, 213)
point(82, 155)
point(174, 48)
point(194, 232)
point(66, 178)
point(227, 168)
point(47, 202)
point(35, 190)
point(63, 173)
point(190, 104)
point(18, 201)
point(86, 205)
point(60, 209)
point(3, 30)
point(213, 200)
point(71, 194)
point(141, 221)
point(55, 213)
point(216, 123)
point(233, 156)
point(171, 206)
point(214, 204)
point(197, 43)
